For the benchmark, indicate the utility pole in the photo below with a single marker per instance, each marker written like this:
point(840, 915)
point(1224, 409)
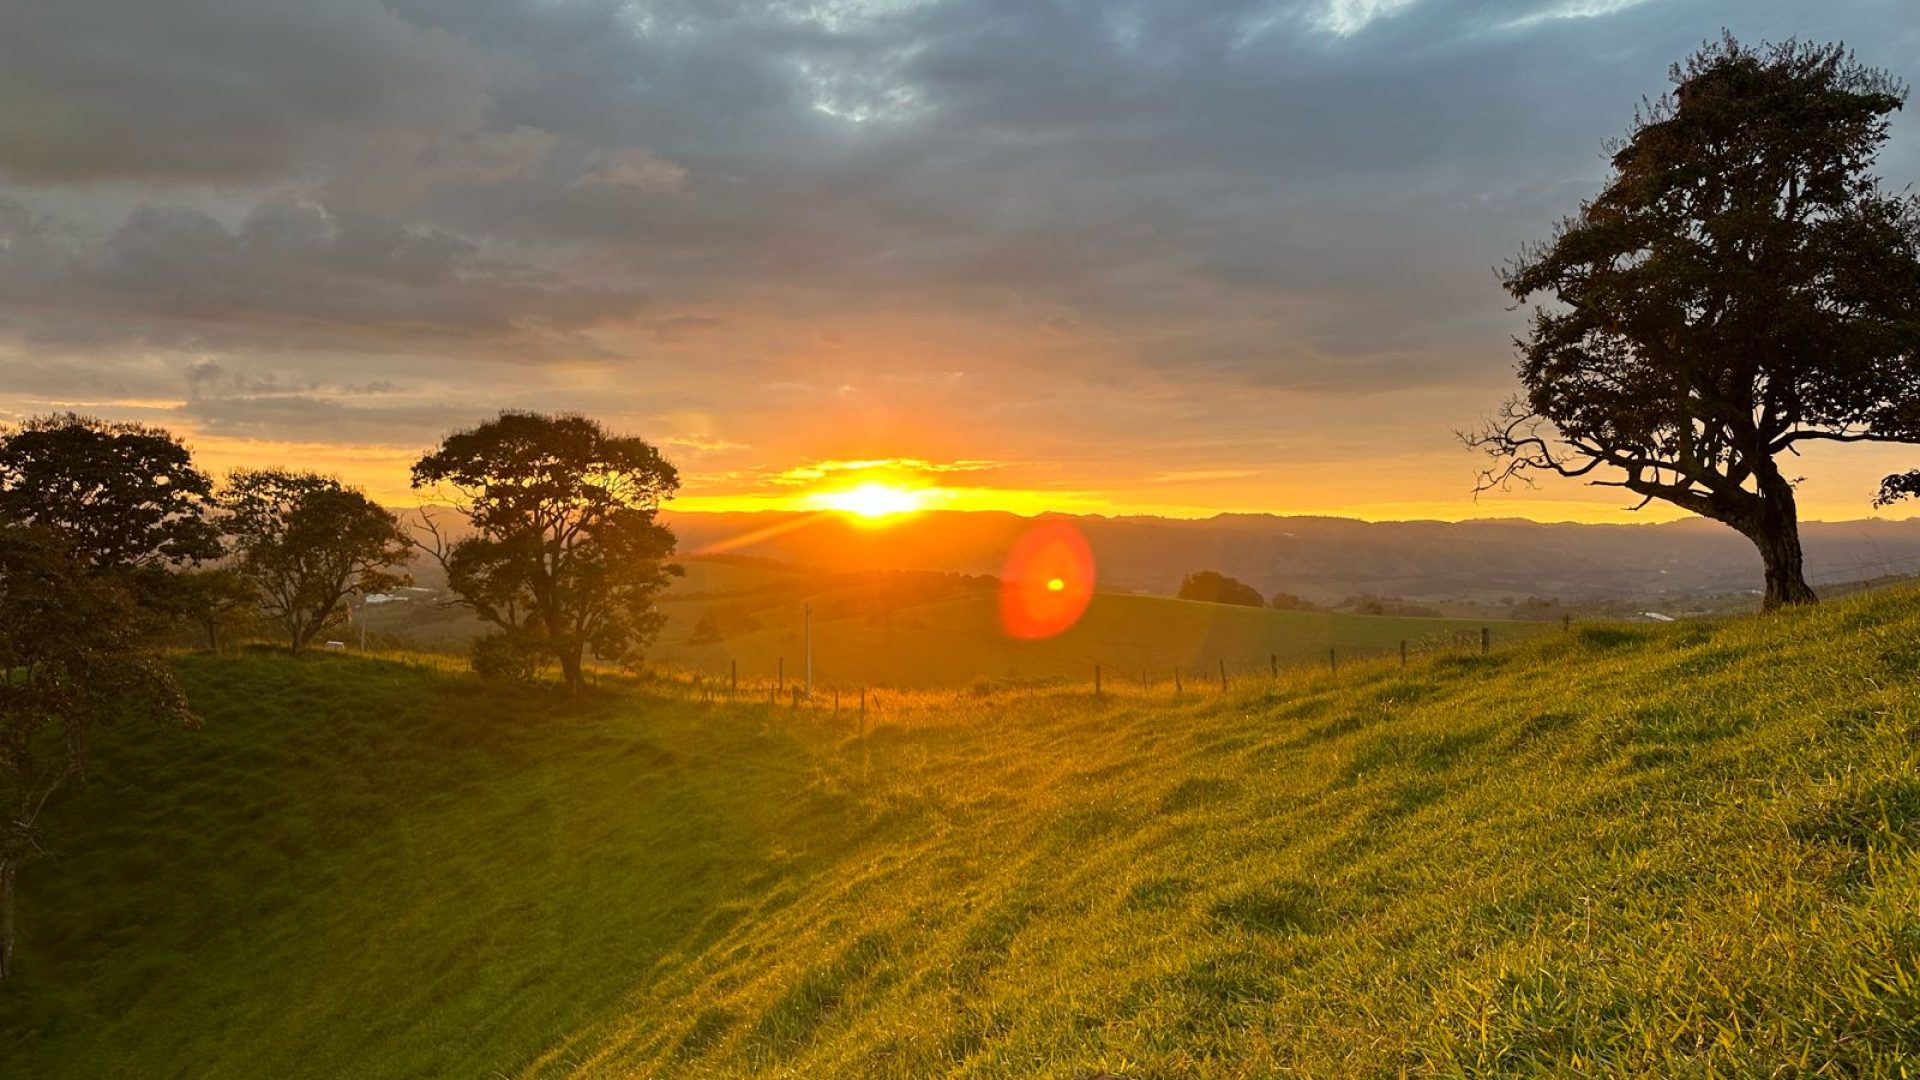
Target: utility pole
point(806, 611)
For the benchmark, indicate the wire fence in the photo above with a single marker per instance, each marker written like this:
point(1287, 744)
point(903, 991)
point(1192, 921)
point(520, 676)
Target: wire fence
point(864, 704)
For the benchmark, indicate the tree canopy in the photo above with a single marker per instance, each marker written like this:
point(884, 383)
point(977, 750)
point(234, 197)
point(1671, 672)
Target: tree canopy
point(1741, 287)
point(125, 496)
point(306, 542)
point(74, 660)
point(1217, 588)
point(566, 554)
point(1899, 486)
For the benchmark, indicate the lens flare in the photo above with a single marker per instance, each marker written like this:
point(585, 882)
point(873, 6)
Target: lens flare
point(1047, 581)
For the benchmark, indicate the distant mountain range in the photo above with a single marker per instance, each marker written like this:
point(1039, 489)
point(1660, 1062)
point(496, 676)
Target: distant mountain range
point(1329, 559)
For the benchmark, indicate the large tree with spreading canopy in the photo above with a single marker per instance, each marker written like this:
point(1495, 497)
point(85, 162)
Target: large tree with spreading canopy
point(566, 555)
point(1742, 287)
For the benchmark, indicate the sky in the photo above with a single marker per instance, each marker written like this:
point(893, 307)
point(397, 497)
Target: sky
point(1094, 256)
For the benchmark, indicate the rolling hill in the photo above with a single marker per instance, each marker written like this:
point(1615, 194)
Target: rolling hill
point(1329, 559)
point(957, 641)
point(1622, 851)
point(920, 630)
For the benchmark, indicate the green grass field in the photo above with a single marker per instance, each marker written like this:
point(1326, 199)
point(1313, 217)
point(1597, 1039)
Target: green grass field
point(934, 630)
point(958, 641)
point(1686, 850)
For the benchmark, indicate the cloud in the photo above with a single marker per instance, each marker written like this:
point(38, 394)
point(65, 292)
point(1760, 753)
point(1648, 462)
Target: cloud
point(293, 274)
point(870, 227)
point(631, 167)
point(815, 471)
point(1352, 16)
point(230, 91)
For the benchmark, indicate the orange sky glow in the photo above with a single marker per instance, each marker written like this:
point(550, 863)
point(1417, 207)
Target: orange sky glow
point(847, 257)
point(1837, 485)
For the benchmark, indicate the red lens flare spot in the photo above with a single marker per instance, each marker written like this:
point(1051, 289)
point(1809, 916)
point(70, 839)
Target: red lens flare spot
point(1047, 581)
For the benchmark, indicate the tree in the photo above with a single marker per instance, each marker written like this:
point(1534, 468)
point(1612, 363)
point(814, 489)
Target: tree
point(126, 496)
point(1898, 486)
point(74, 661)
point(1218, 588)
point(566, 554)
point(306, 543)
point(1742, 286)
point(1369, 604)
point(1286, 601)
point(217, 601)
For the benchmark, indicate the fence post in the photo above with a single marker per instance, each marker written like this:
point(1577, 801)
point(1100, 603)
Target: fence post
point(1486, 641)
point(1566, 622)
point(863, 712)
point(1333, 663)
point(1273, 664)
point(780, 679)
point(836, 701)
point(1096, 680)
point(1176, 682)
point(733, 679)
point(1403, 652)
point(1223, 674)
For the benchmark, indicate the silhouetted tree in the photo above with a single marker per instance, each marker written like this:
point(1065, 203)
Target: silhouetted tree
point(1218, 588)
point(1741, 286)
point(124, 496)
point(74, 660)
point(1286, 601)
point(566, 555)
point(216, 600)
point(306, 543)
point(1369, 604)
point(1899, 486)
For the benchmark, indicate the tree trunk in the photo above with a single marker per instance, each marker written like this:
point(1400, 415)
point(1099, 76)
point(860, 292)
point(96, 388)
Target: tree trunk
point(299, 634)
point(1779, 545)
point(570, 667)
point(1772, 522)
point(7, 870)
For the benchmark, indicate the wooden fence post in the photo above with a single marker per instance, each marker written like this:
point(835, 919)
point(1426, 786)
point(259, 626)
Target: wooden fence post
point(1273, 664)
point(836, 701)
point(1566, 622)
point(1486, 641)
point(1333, 663)
point(733, 679)
point(1223, 674)
point(1176, 682)
point(863, 712)
point(780, 683)
point(1403, 652)
point(1096, 680)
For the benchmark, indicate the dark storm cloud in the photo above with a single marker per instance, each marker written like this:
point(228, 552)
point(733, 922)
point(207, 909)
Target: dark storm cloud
point(226, 90)
point(289, 274)
point(1305, 194)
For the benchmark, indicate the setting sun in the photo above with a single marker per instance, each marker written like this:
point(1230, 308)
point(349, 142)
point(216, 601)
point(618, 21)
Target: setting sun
point(872, 501)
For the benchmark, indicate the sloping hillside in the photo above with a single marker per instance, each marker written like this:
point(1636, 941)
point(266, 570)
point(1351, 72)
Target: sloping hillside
point(1329, 559)
point(920, 629)
point(1691, 849)
point(957, 641)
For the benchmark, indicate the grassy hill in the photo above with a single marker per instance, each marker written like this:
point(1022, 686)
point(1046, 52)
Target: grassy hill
point(1679, 850)
point(927, 630)
point(956, 641)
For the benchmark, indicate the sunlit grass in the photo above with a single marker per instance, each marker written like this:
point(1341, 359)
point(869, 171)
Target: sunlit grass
point(1620, 851)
